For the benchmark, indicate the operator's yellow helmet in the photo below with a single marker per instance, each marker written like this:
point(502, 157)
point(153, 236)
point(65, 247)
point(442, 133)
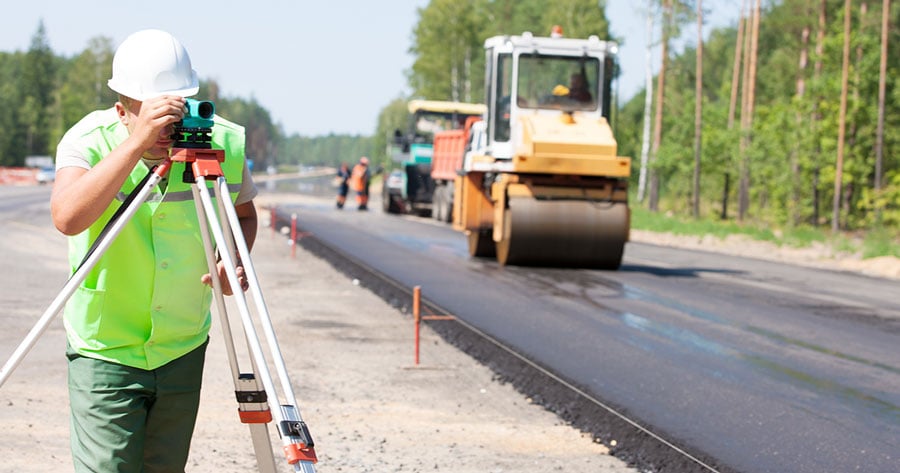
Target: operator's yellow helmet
point(560, 90)
point(151, 63)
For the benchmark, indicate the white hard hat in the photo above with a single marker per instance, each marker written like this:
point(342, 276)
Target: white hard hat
point(151, 63)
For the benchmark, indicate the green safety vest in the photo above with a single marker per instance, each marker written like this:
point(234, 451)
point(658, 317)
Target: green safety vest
point(143, 304)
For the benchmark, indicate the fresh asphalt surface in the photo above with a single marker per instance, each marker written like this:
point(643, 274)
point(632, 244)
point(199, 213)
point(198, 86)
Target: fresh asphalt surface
point(756, 366)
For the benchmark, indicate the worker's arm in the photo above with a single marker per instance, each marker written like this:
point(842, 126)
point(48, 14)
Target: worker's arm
point(81, 195)
point(246, 214)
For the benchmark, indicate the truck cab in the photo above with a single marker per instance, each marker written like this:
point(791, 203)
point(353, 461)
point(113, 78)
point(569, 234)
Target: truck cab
point(411, 153)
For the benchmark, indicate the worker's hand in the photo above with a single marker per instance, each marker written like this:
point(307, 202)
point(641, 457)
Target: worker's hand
point(223, 278)
point(151, 123)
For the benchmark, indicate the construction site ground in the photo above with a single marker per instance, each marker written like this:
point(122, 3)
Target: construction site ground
point(349, 354)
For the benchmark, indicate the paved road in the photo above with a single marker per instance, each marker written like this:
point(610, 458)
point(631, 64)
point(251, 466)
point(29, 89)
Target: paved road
point(763, 367)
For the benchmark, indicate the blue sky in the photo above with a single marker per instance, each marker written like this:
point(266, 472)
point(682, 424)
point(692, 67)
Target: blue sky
point(317, 66)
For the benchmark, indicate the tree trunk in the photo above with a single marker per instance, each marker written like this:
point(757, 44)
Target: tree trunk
point(747, 118)
point(648, 103)
point(817, 117)
point(735, 85)
point(852, 118)
point(660, 87)
point(794, 210)
point(745, 91)
point(842, 123)
point(736, 69)
point(882, 79)
point(698, 111)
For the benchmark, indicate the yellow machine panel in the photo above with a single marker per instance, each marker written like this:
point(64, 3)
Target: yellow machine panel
point(580, 146)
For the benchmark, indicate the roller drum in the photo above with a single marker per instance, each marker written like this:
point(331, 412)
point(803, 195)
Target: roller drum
point(564, 233)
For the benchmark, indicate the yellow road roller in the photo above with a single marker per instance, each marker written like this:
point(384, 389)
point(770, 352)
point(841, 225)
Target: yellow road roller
point(540, 182)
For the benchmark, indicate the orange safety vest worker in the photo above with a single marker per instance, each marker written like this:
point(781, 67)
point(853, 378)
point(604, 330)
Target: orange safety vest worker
point(359, 181)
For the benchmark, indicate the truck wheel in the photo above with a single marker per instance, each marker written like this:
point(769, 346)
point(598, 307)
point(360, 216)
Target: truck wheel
point(389, 204)
point(448, 205)
point(442, 204)
point(437, 203)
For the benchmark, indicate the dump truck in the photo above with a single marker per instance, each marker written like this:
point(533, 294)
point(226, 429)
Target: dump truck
point(540, 181)
point(446, 161)
point(408, 187)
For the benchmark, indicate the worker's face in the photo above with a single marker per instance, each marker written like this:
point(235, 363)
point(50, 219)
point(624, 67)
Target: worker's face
point(132, 110)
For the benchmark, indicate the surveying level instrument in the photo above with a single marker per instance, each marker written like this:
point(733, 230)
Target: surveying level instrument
point(223, 240)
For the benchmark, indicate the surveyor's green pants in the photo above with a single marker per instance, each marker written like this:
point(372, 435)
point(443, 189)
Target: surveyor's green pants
point(132, 420)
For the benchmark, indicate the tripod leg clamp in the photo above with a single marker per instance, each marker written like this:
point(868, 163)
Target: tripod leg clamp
point(253, 407)
point(301, 448)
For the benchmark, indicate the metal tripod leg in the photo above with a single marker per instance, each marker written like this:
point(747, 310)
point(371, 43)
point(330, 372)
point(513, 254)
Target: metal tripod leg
point(296, 440)
point(252, 406)
point(108, 235)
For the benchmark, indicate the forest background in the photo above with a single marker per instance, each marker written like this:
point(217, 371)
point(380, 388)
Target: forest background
point(797, 128)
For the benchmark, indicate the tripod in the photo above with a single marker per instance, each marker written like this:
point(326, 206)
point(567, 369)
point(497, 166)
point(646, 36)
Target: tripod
point(217, 230)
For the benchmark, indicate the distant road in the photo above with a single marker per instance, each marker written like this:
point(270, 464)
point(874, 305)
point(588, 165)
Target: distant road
point(306, 173)
point(761, 366)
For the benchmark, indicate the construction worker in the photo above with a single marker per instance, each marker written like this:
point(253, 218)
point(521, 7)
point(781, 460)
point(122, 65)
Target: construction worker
point(137, 327)
point(359, 181)
point(343, 176)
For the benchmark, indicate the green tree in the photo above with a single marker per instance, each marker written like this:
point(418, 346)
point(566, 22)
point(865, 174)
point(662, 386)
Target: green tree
point(261, 134)
point(578, 18)
point(448, 40)
point(792, 155)
point(82, 86)
point(38, 81)
point(393, 117)
point(11, 138)
point(448, 47)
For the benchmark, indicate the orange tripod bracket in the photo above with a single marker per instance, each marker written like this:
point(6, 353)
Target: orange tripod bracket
point(204, 162)
point(253, 406)
point(300, 446)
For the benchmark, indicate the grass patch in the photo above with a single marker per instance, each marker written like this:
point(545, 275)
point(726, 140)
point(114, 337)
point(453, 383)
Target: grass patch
point(643, 219)
point(870, 243)
point(880, 242)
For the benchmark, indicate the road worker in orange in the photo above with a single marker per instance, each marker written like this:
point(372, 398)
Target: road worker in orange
point(359, 182)
point(343, 178)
